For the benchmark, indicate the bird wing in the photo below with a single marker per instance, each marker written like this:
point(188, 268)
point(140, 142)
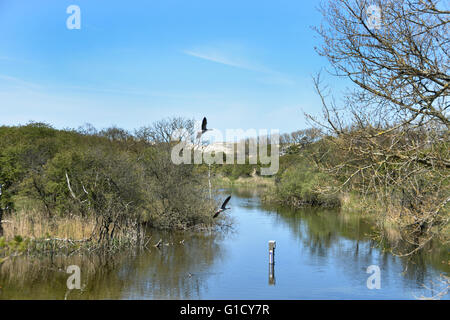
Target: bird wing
point(225, 202)
point(204, 122)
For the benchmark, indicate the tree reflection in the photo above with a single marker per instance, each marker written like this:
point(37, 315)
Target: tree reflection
point(349, 240)
point(176, 271)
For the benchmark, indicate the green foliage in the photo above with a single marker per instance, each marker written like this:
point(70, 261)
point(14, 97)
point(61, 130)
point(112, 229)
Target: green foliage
point(302, 184)
point(112, 175)
point(235, 171)
point(242, 170)
point(16, 245)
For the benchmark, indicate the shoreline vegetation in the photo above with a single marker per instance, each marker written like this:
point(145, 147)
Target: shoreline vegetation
point(84, 195)
point(74, 189)
point(244, 181)
point(302, 181)
point(383, 147)
point(311, 175)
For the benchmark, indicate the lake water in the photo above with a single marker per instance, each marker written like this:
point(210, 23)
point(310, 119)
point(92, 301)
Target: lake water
point(320, 254)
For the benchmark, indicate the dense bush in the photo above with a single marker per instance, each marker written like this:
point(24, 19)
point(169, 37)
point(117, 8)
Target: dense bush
point(116, 177)
point(301, 184)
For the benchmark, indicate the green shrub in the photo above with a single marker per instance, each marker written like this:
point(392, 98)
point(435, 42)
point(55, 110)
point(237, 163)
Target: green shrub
point(113, 175)
point(302, 184)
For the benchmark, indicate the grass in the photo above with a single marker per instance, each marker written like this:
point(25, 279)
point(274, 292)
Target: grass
point(391, 219)
point(35, 225)
point(253, 181)
point(34, 232)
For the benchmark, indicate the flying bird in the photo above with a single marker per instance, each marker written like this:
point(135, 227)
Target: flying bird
point(223, 207)
point(204, 123)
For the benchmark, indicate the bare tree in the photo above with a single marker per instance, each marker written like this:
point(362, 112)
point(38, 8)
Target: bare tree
point(394, 125)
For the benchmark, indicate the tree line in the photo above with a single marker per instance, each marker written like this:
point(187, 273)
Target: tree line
point(122, 180)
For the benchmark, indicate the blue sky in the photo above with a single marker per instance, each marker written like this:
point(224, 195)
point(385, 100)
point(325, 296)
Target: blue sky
point(243, 64)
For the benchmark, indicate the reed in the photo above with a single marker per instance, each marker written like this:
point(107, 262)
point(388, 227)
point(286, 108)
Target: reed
point(35, 224)
point(32, 232)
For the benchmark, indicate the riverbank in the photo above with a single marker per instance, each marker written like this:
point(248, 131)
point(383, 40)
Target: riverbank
point(33, 232)
point(97, 187)
point(321, 243)
point(251, 181)
point(391, 222)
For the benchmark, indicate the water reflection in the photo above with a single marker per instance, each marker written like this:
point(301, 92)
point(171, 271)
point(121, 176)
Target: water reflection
point(45, 278)
point(272, 280)
point(352, 237)
point(320, 254)
point(178, 270)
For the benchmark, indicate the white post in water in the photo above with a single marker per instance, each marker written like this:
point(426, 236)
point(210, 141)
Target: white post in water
point(272, 245)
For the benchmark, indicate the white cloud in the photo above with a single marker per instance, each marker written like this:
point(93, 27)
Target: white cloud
point(218, 57)
point(18, 82)
point(227, 56)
